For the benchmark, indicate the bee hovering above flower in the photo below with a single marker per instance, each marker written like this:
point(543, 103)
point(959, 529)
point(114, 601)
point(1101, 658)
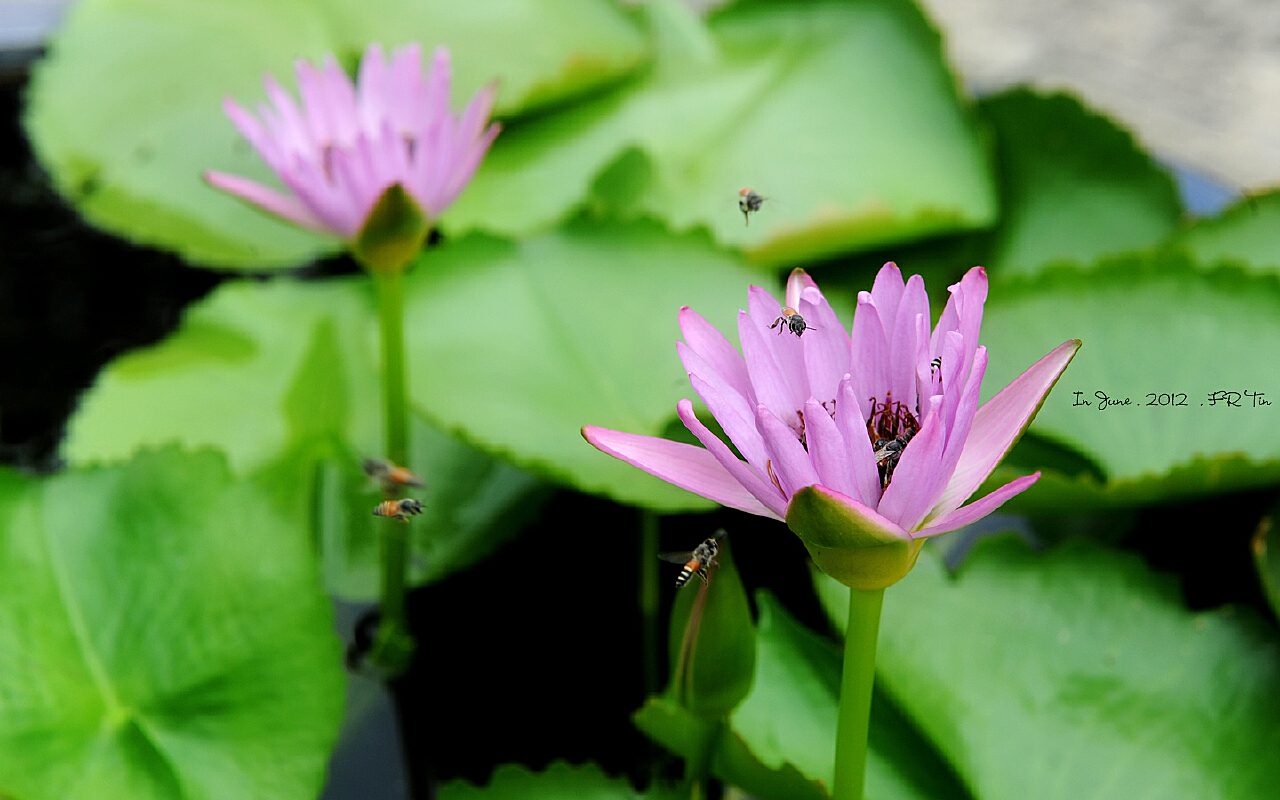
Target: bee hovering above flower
point(399, 509)
point(389, 475)
point(698, 561)
point(749, 201)
point(791, 321)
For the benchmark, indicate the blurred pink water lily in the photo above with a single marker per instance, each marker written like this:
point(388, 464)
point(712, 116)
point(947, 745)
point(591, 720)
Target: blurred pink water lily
point(349, 143)
point(870, 441)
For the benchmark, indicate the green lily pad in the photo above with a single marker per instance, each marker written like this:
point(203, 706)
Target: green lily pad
point(781, 741)
point(1079, 673)
point(517, 345)
point(1074, 185)
point(126, 111)
point(165, 636)
point(1173, 339)
point(1246, 234)
point(557, 782)
point(843, 115)
point(283, 378)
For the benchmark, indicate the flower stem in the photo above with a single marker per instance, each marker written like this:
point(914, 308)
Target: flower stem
point(856, 681)
point(394, 646)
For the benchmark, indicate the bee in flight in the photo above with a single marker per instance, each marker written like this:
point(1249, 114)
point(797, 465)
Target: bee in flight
point(749, 201)
point(388, 474)
point(399, 509)
point(791, 321)
point(698, 561)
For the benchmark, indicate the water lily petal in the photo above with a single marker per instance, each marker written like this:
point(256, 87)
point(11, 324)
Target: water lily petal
point(340, 101)
point(853, 429)
point(684, 465)
point(277, 203)
point(786, 348)
point(797, 282)
point(868, 354)
point(409, 107)
point(887, 291)
point(711, 345)
point(962, 423)
point(267, 145)
point(917, 481)
point(977, 509)
point(753, 479)
point(928, 379)
point(963, 314)
point(826, 345)
point(952, 378)
point(376, 95)
point(770, 385)
point(288, 128)
point(973, 296)
point(740, 429)
point(789, 462)
point(831, 457)
point(439, 79)
point(696, 366)
point(999, 423)
point(464, 165)
point(904, 344)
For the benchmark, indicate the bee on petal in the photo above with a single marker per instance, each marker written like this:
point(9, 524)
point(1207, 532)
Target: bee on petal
point(399, 509)
point(791, 321)
point(749, 201)
point(389, 475)
point(698, 561)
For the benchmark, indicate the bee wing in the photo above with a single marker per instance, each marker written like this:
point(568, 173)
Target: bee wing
point(720, 534)
point(677, 558)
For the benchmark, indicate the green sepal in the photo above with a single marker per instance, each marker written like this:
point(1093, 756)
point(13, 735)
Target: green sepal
point(393, 232)
point(718, 672)
point(845, 546)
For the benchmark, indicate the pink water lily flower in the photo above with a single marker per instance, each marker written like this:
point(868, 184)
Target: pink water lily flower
point(349, 143)
point(854, 441)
